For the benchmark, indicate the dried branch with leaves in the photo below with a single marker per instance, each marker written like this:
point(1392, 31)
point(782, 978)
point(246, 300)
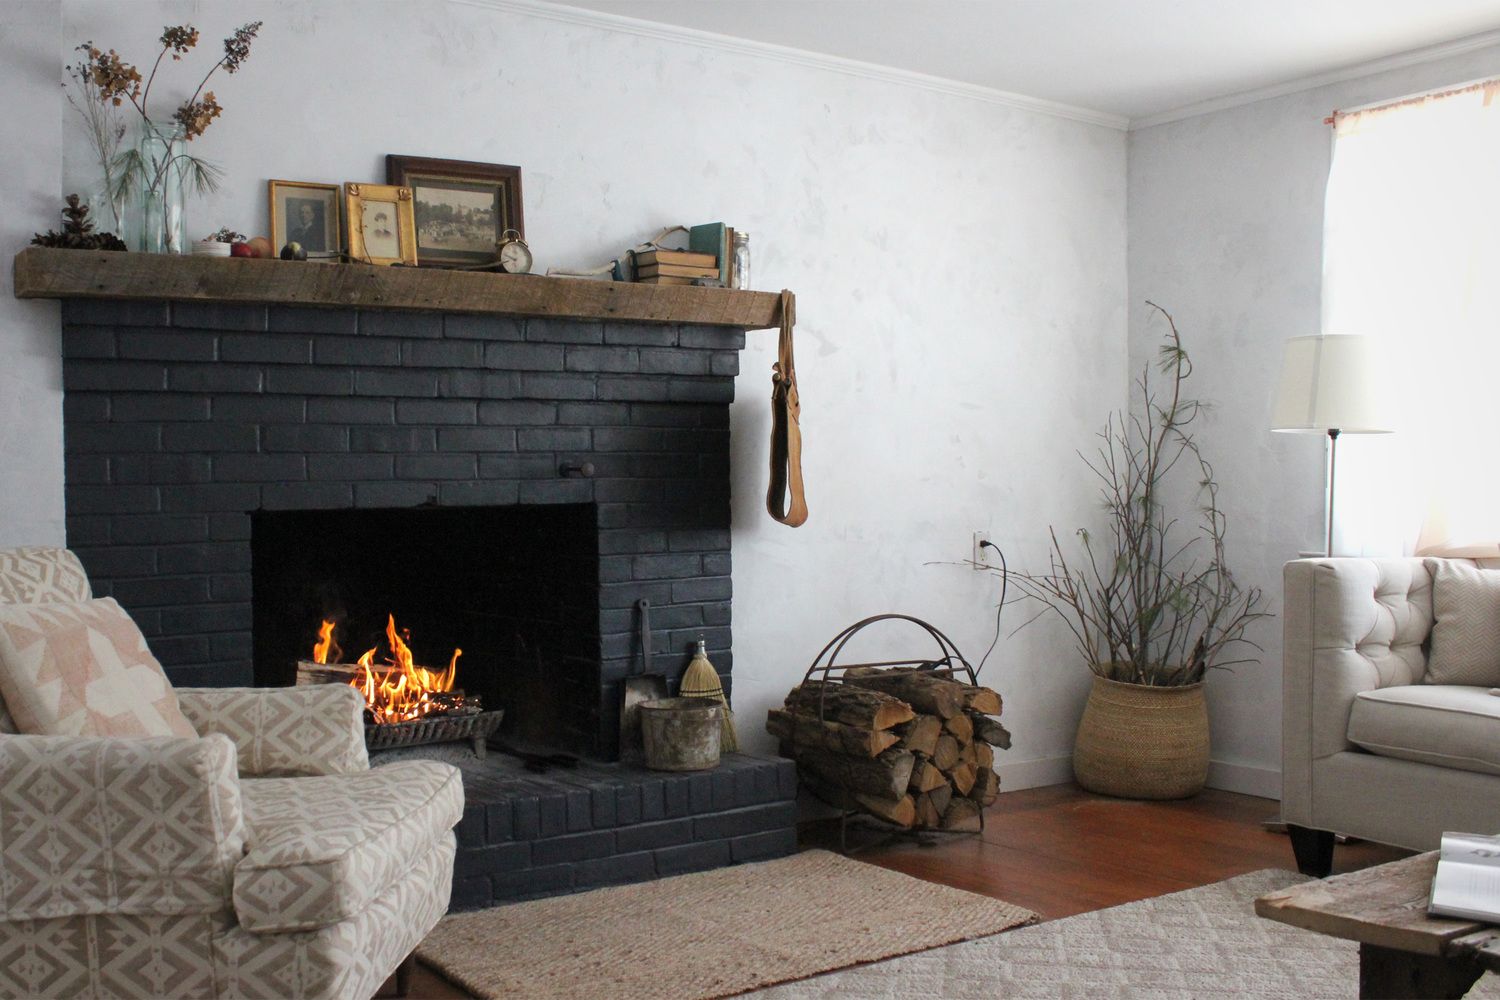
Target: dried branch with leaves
point(1154, 602)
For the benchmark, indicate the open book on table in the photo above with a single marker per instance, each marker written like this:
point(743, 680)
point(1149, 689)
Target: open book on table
point(1467, 883)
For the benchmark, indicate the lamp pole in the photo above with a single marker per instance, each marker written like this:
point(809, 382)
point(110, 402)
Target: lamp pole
point(1333, 472)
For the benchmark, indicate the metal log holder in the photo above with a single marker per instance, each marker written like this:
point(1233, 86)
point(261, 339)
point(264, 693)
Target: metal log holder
point(949, 662)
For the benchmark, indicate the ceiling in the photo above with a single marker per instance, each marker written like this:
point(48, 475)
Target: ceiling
point(1136, 59)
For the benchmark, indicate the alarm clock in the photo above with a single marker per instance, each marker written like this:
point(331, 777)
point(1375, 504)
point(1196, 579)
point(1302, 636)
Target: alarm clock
point(512, 253)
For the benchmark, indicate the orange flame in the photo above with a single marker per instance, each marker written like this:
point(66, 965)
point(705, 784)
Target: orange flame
point(401, 691)
point(325, 643)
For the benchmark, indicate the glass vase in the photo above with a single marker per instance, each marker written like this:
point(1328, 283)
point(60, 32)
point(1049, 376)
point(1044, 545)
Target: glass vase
point(157, 216)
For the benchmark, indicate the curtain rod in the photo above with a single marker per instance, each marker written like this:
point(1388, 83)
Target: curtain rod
point(1426, 95)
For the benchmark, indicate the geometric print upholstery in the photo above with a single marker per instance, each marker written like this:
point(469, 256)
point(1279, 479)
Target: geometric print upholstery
point(321, 849)
point(1466, 629)
point(37, 574)
point(83, 669)
point(308, 730)
point(118, 826)
point(40, 574)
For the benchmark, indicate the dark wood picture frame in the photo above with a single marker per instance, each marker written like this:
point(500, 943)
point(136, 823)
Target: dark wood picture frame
point(469, 184)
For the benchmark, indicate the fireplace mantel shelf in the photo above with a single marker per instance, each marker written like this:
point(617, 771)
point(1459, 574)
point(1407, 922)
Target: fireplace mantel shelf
point(43, 273)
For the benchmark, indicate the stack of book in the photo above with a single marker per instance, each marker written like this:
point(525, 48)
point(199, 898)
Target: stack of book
point(675, 267)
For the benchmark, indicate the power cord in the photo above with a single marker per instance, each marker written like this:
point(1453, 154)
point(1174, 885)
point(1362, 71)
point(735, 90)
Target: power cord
point(1000, 608)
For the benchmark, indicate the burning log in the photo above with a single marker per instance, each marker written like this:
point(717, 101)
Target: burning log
point(396, 691)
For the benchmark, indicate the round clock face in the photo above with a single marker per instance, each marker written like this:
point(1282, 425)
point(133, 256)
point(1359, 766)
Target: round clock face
point(515, 257)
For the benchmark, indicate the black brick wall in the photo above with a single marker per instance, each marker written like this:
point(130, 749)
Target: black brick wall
point(182, 418)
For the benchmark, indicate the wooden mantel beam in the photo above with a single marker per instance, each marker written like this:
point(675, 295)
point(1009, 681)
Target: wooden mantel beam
point(43, 273)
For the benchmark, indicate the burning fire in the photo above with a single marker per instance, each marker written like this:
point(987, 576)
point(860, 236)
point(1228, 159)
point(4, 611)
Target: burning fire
point(399, 690)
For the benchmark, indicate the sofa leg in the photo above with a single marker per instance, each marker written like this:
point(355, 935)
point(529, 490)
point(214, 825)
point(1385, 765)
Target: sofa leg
point(1313, 849)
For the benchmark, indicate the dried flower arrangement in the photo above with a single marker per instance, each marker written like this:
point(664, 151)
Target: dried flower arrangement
point(103, 83)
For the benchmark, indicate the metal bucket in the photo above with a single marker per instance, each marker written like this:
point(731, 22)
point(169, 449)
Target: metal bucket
point(681, 734)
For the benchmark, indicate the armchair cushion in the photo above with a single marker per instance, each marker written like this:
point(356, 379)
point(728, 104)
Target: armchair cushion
point(83, 669)
point(41, 574)
point(117, 826)
point(321, 849)
point(313, 729)
point(1466, 626)
point(1442, 724)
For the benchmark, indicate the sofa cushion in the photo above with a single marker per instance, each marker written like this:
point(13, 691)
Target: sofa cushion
point(41, 574)
point(83, 669)
point(321, 848)
point(1446, 725)
point(1466, 624)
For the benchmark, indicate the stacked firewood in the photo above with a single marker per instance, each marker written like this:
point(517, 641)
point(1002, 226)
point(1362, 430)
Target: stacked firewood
point(913, 747)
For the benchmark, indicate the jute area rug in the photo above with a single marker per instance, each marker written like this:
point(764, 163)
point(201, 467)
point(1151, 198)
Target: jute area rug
point(1201, 943)
point(709, 934)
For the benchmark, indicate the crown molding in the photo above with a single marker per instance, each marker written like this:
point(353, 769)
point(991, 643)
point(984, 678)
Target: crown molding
point(1401, 60)
point(800, 57)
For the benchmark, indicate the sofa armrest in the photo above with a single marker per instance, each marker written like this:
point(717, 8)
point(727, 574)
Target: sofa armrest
point(146, 826)
point(1349, 625)
point(286, 731)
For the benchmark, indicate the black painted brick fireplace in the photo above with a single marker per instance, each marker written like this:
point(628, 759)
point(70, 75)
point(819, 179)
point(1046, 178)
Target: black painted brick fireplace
point(184, 418)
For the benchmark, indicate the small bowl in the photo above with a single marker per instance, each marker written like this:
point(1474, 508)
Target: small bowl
point(210, 248)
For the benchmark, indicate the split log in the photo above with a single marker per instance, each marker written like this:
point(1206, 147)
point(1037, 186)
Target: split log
point(886, 776)
point(987, 729)
point(963, 777)
point(983, 755)
point(925, 776)
point(902, 811)
point(858, 707)
point(920, 735)
point(929, 816)
point(982, 700)
point(961, 726)
point(922, 690)
point(807, 731)
point(986, 787)
point(967, 754)
point(940, 797)
point(946, 754)
point(961, 814)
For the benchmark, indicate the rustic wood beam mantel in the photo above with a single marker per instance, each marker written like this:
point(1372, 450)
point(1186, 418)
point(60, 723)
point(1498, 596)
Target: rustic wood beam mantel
point(43, 273)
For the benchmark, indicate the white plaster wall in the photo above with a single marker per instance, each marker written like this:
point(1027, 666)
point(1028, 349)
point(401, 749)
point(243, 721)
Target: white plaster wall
point(1226, 222)
point(31, 496)
point(960, 270)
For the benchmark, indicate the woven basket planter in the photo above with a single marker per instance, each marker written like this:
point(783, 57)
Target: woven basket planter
point(1140, 742)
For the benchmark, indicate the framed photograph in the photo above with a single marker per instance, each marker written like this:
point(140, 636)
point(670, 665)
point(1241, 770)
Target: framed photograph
point(381, 227)
point(462, 208)
point(306, 213)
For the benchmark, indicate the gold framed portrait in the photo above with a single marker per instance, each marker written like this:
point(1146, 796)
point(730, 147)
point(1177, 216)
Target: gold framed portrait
point(306, 213)
point(381, 224)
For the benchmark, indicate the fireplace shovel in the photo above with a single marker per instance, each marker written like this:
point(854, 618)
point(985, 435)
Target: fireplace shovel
point(639, 687)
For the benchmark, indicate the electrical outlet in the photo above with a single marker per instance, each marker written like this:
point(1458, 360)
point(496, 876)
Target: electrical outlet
point(977, 557)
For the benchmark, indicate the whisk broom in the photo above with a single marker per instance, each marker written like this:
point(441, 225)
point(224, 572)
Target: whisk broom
point(702, 681)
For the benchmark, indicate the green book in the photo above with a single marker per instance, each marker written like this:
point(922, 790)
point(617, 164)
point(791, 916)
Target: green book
point(712, 238)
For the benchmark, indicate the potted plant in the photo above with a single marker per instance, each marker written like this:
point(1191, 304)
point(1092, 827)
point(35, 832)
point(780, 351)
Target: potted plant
point(1151, 603)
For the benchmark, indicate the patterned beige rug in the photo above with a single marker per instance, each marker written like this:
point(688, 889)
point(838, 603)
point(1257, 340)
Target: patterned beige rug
point(710, 934)
point(1200, 944)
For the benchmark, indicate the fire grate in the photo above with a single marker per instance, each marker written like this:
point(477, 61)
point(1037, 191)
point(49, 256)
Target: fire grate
point(439, 729)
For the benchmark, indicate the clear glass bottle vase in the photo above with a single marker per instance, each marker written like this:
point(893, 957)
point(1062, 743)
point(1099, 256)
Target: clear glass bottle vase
point(157, 222)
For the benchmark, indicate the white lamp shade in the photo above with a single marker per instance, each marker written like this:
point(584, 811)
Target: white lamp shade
point(1332, 383)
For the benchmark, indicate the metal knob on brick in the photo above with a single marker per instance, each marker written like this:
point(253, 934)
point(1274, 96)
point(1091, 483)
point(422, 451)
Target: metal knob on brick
point(583, 470)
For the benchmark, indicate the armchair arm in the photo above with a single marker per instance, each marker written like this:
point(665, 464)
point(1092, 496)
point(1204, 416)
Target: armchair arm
point(1350, 625)
point(94, 825)
point(287, 731)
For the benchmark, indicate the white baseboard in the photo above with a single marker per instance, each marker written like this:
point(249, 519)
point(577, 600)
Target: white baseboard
point(1035, 773)
point(1247, 779)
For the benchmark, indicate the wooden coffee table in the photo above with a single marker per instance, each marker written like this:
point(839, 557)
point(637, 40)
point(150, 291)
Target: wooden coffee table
point(1402, 951)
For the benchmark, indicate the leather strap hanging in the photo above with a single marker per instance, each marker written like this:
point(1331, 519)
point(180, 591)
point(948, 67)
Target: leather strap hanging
point(786, 428)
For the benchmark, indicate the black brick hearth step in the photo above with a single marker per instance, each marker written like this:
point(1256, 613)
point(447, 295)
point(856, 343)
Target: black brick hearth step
point(526, 835)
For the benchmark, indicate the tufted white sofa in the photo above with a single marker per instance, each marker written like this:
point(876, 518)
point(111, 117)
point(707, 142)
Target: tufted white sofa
point(1368, 749)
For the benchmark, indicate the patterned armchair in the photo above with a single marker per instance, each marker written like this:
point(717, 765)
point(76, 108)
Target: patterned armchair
point(262, 859)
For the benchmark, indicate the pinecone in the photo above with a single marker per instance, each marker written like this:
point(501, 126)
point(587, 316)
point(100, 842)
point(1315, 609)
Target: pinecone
point(77, 231)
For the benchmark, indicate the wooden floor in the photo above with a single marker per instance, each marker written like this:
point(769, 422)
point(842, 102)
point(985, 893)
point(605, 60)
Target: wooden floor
point(1061, 851)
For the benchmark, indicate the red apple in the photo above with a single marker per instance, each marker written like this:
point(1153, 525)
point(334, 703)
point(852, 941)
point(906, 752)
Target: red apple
point(240, 250)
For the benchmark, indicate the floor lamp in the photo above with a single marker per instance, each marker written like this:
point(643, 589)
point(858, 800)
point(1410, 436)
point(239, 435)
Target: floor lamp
point(1331, 385)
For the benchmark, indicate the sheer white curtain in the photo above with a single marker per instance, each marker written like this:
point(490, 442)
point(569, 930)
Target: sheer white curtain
point(1411, 255)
